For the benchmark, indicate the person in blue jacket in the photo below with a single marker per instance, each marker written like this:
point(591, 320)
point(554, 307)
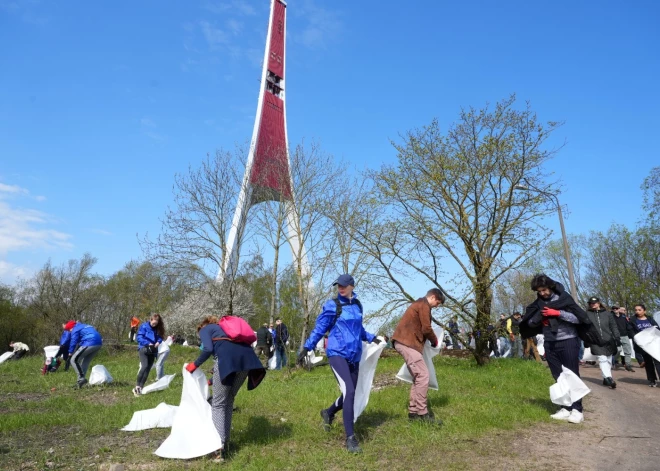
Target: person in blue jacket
point(344, 351)
point(65, 342)
point(85, 343)
point(234, 363)
point(149, 337)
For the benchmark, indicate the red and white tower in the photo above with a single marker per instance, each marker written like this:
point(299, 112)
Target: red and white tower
point(268, 170)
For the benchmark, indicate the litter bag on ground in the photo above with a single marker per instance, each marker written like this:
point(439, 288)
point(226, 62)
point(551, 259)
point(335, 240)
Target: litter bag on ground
point(649, 340)
point(569, 383)
point(428, 353)
point(162, 416)
point(368, 362)
point(6, 356)
point(99, 375)
point(162, 383)
point(193, 433)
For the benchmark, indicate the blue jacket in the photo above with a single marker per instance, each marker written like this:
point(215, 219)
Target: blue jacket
point(231, 356)
point(84, 335)
point(147, 335)
point(346, 336)
point(65, 339)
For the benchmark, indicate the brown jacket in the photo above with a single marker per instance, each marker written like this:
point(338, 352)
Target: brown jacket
point(415, 326)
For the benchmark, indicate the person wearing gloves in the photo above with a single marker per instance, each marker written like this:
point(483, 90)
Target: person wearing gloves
point(409, 337)
point(149, 337)
point(342, 318)
point(65, 342)
point(639, 323)
point(609, 332)
point(84, 345)
point(558, 317)
point(234, 363)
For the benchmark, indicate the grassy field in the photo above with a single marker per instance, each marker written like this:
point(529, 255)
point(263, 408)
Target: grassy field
point(46, 424)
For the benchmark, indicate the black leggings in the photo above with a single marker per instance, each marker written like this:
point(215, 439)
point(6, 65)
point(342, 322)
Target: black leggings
point(146, 362)
point(651, 365)
point(347, 376)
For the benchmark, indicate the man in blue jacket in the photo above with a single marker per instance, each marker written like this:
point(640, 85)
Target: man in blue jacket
point(85, 344)
point(65, 342)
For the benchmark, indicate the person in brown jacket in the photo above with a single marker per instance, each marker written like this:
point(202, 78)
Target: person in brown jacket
point(408, 339)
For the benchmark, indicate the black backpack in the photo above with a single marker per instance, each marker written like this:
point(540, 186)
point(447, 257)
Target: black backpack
point(339, 310)
point(589, 334)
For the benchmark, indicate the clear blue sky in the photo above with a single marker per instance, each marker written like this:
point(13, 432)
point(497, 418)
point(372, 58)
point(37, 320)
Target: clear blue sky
point(101, 103)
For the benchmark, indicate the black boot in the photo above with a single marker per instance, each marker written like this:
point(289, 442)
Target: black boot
point(610, 382)
point(327, 419)
point(352, 445)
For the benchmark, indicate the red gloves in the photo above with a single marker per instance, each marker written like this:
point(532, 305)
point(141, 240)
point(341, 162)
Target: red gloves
point(190, 367)
point(548, 312)
point(545, 322)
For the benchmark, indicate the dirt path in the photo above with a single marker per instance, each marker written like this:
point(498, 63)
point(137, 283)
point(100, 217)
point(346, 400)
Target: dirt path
point(621, 430)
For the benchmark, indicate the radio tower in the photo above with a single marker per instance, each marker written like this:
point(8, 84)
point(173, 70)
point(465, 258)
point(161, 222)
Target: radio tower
point(268, 170)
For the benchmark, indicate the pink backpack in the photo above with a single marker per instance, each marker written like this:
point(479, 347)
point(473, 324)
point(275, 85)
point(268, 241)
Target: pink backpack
point(237, 330)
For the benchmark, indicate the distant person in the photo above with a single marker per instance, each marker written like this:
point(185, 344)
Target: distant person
point(503, 336)
point(513, 329)
point(149, 337)
point(409, 337)
point(281, 342)
point(642, 322)
point(345, 336)
point(264, 342)
point(163, 354)
point(609, 333)
point(557, 316)
point(135, 322)
point(626, 334)
point(85, 344)
point(20, 349)
point(530, 349)
point(452, 325)
point(65, 343)
point(234, 363)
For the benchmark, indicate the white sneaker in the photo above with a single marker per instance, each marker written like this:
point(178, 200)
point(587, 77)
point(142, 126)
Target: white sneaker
point(562, 414)
point(137, 391)
point(576, 417)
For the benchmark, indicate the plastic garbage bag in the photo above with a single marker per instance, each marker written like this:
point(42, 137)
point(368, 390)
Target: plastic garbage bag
point(162, 383)
point(99, 375)
point(313, 359)
point(428, 353)
point(193, 433)
point(368, 362)
point(51, 350)
point(162, 416)
point(6, 356)
point(571, 383)
point(540, 344)
point(649, 340)
point(185, 343)
point(588, 356)
point(272, 361)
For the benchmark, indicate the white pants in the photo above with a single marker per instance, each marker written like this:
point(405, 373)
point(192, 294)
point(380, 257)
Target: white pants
point(605, 363)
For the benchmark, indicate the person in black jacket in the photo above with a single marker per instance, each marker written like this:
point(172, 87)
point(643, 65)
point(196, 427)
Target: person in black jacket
point(281, 342)
point(557, 316)
point(626, 334)
point(234, 363)
point(609, 332)
point(264, 342)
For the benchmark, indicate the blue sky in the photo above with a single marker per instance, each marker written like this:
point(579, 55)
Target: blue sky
point(102, 103)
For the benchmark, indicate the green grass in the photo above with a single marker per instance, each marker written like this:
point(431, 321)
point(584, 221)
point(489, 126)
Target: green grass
point(278, 424)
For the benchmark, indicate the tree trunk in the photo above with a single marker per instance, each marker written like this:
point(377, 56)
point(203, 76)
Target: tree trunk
point(483, 299)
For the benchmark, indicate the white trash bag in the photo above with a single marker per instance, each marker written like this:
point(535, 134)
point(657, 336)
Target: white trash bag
point(162, 383)
point(193, 433)
point(368, 362)
point(649, 340)
point(6, 356)
point(51, 350)
point(540, 344)
point(272, 361)
point(588, 356)
point(568, 389)
point(428, 353)
point(99, 375)
point(162, 416)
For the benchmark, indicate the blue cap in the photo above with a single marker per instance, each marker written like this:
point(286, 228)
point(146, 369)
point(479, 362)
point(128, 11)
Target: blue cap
point(344, 280)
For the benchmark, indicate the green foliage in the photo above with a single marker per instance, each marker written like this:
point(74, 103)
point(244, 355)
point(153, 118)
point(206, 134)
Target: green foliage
point(277, 425)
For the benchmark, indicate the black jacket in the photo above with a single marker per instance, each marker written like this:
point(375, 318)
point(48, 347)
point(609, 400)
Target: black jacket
point(281, 334)
point(264, 337)
point(608, 330)
point(636, 329)
point(564, 303)
point(624, 325)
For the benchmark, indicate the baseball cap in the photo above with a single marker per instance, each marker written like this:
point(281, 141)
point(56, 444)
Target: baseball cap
point(344, 280)
point(593, 300)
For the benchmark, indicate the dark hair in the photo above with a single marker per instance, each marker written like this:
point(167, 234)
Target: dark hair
point(517, 313)
point(160, 327)
point(542, 281)
point(439, 295)
point(641, 305)
point(277, 319)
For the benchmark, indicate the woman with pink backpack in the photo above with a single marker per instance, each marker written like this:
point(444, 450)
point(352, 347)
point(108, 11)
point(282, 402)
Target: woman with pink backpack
point(235, 361)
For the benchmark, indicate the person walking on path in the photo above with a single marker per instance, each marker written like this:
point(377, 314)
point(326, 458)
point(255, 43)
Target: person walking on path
point(626, 334)
point(651, 365)
point(85, 344)
point(513, 329)
point(234, 363)
point(342, 318)
point(555, 314)
point(264, 342)
point(409, 337)
point(135, 323)
point(609, 333)
point(281, 342)
point(149, 337)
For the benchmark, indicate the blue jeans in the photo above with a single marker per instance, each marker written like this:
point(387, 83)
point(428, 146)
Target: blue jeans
point(280, 356)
